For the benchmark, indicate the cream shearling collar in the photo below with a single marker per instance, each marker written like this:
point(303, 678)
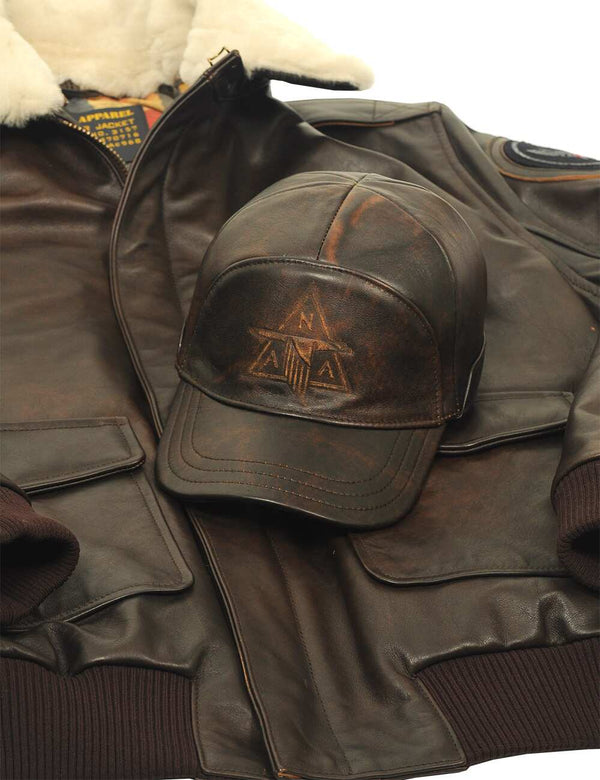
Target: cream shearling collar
point(130, 47)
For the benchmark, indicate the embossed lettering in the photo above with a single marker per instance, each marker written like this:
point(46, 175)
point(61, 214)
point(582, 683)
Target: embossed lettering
point(301, 350)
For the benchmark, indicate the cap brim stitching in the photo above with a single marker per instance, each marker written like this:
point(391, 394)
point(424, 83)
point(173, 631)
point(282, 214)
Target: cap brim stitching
point(178, 443)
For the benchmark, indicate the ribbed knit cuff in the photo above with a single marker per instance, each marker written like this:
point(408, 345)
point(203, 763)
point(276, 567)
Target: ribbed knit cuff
point(105, 722)
point(577, 503)
point(520, 701)
point(38, 554)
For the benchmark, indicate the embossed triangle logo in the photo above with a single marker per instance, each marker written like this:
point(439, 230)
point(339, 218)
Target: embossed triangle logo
point(301, 351)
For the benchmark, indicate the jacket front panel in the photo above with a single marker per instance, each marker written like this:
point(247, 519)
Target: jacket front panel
point(334, 663)
point(516, 350)
point(557, 206)
point(76, 435)
point(536, 356)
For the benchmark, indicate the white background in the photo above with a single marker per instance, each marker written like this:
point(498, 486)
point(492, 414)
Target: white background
point(525, 70)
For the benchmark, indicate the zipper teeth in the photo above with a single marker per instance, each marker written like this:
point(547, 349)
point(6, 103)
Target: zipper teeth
point(139, 366)
point(114, 156)
point(110, 152)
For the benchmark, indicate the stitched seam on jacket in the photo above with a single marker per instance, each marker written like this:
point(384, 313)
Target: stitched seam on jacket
point(494, 396)
point(380, 574)
point(304, 647)
point(83, 470)
point(236, 624)
point(40, 426)
point(444, 721)
point(500, 214)
point(128, 588)
point(533, 571)
point(165, 223)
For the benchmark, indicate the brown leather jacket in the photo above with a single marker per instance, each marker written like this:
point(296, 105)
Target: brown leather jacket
point(229, 640)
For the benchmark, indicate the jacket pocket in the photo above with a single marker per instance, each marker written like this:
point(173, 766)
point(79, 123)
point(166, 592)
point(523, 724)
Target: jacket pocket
point(485, 511)
point(507, 416)
point(88, 475)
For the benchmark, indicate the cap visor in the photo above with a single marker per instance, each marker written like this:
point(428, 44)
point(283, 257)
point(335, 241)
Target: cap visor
point(353, 477)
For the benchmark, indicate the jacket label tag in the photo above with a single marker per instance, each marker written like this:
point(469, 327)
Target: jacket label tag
point(122, 128)
point(540, 157)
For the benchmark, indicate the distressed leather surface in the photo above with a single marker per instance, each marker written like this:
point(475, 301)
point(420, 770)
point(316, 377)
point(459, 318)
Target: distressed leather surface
point(387, 382)
point(532, 346)
point(49, 454)
point(329, 652)
point(163, 266)
point(373, 325)
point(467, 522)
point(141, 594)
point(360, 478)
point(395, 265)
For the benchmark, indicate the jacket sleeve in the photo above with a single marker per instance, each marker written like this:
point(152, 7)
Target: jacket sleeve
point(576, 487)
point(38, 554)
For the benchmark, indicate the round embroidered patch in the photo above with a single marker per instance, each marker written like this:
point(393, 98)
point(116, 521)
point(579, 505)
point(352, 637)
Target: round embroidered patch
point(532, 156)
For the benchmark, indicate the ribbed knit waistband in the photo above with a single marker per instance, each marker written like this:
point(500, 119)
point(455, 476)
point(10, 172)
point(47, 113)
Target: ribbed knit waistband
point(106, 722)
point(130, 722)
point(521, 701)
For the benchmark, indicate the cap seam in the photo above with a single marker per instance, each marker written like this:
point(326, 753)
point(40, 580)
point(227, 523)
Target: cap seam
point(344, 179)
point(335, 214)
point(294, 468)
point(261, 197)
point(308, 484)
point(450, 266)
point(347, 422)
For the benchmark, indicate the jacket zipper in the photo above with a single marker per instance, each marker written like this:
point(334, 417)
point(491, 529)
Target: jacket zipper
point(137, 161)
point(112, 157)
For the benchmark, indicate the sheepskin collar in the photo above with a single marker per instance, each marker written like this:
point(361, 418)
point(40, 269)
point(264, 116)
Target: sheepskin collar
point(131, 47)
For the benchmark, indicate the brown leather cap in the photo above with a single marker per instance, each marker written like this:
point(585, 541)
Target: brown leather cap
point(337, 324)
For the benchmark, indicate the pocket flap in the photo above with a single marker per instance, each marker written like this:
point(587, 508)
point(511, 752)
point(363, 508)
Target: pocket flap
point(88, 475)
point(506, 416)
point(486, 515)
point(51, 454)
